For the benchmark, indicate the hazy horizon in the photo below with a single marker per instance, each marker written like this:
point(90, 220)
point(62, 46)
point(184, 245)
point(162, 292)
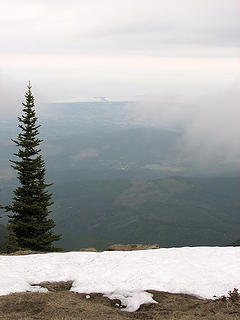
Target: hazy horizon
point(178, 60)
point(118, 49)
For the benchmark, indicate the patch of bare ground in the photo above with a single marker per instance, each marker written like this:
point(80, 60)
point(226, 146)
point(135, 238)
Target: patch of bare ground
point(61, 304)
point(132, 247)
point(21, 253)
point(55, 286)
point(88, 250)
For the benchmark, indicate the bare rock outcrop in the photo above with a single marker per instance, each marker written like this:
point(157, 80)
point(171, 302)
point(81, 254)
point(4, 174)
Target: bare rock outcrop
point(132, 247)
point(88, 250)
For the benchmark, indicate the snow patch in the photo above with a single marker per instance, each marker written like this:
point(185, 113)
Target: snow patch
point(126, 275)
point(131, 300)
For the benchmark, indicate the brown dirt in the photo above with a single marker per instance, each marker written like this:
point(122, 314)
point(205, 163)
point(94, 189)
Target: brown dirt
point(61, 304)
point(114, 247)
point(88, 250)
point(132, 247)
point(56, 286)
point(22, 253)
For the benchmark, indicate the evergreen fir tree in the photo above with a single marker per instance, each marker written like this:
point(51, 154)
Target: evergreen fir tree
point(29, 219)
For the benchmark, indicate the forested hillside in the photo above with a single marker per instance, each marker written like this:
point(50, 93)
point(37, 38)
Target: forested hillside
point(172, 212)
point(117, 187)
point(175, 211)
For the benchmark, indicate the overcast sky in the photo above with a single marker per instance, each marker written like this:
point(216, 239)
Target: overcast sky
point(119, 48)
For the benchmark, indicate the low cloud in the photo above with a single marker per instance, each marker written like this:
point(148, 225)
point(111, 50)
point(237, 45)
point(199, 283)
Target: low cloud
point(209, 123)
point(77, 26)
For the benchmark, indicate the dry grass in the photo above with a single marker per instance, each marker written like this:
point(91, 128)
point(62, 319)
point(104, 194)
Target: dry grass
point(61, 304)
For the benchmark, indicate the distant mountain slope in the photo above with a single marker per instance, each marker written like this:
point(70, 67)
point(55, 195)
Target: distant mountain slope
point(129, 153)
point(119, 154)
point(113, 154)
point(173, 211)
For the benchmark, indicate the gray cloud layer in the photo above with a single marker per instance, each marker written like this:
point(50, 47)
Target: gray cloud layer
point(209, 122)
point(82, 26)
point(118, 48)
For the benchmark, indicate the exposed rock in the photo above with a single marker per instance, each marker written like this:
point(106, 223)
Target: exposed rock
point(55, 286)
point(132, 247)
point(88, 250)
point(22, 253)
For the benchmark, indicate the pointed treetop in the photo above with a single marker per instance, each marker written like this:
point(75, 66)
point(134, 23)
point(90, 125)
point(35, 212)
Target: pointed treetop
point(29, 85)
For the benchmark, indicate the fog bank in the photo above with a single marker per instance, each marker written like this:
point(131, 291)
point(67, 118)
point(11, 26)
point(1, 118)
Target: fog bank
point(209, 122)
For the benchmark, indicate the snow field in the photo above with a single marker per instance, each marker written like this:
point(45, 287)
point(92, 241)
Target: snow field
point(200, 271)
